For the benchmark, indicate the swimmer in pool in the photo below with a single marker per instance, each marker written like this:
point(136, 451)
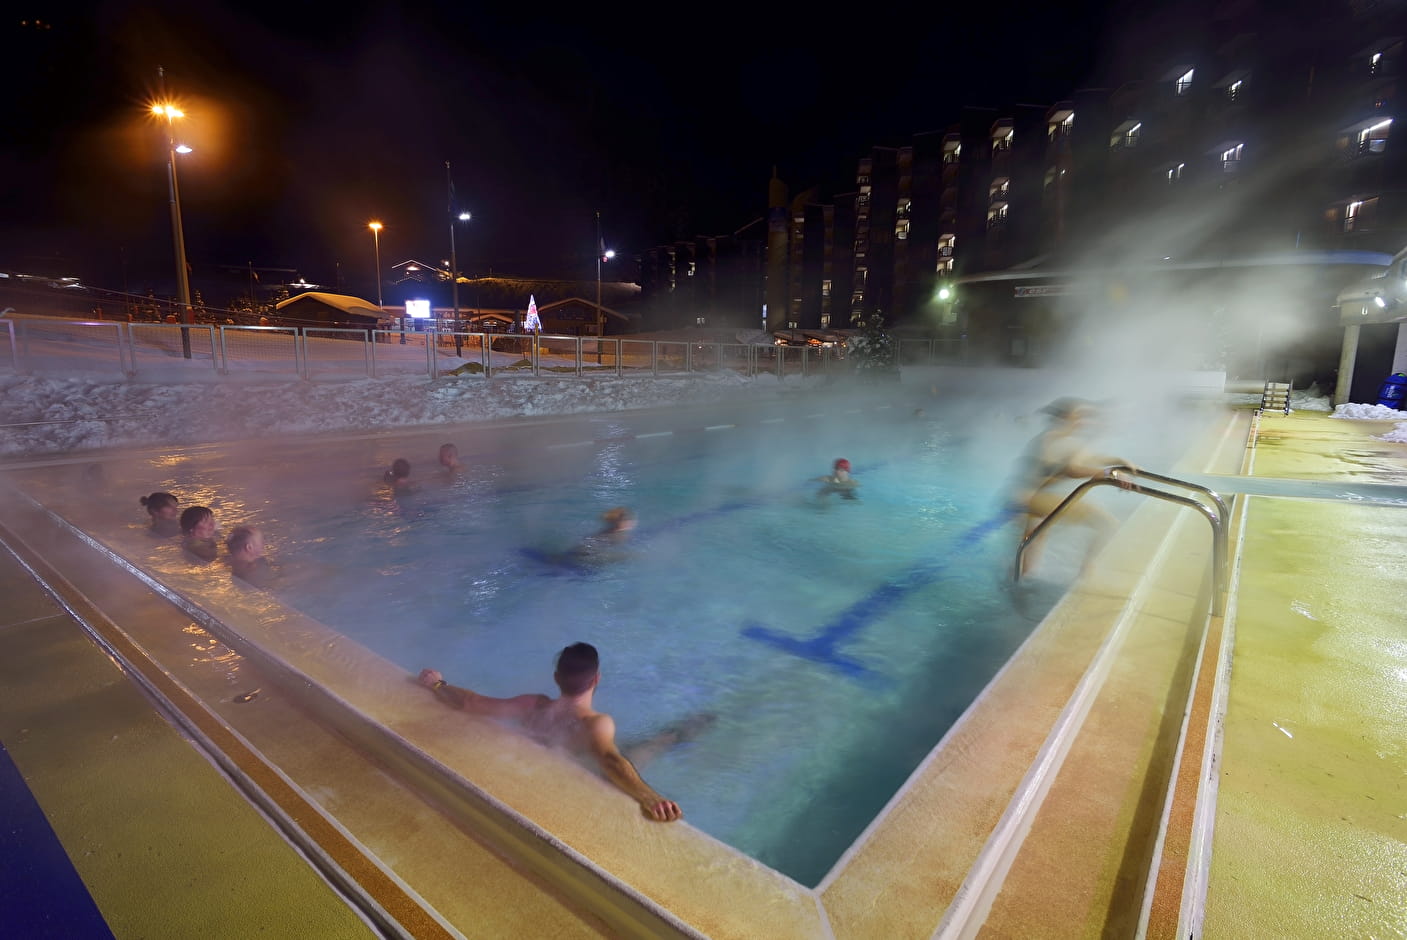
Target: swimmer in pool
point(609, 544)
point(839, 481)
point(165, 517)
point(398, 477)
point(198, 534)
point(569, 721)
point(449, 460)
point(248, 562)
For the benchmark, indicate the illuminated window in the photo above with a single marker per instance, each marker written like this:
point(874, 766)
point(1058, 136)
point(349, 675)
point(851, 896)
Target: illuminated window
point(1358, 216)
point(1374, 139)
point(1002, 138)
point(826, 287)
point(1184, 83)
point(996, 216)
point(1000, 189)
point(1175, 172)
point(901, 229)
point(1060, 124)
point(1231, 158)
point(1375, 63)
point(952, 150)
point(947, 243)
point(1233, 91)
point(1126, 135)
point(698, 321)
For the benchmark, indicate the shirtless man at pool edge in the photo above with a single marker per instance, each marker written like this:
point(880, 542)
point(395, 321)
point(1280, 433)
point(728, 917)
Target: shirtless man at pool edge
point(567, 720)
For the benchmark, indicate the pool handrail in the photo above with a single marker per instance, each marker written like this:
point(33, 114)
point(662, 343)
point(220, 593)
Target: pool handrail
point(1214, 510)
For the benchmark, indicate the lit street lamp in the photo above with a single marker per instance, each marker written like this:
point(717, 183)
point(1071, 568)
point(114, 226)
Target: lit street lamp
point(454, 261)
point(602, 254)
point(183, 285)
point(376, 237)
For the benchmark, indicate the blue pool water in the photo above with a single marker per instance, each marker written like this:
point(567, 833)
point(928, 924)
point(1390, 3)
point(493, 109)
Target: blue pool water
point(832, 642)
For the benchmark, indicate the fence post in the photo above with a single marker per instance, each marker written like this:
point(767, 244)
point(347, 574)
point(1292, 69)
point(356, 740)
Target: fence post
point(654, 357)
point(619, 365)
point(431, 365)
point(14, 353)
point(224, 354)
point(578, 355)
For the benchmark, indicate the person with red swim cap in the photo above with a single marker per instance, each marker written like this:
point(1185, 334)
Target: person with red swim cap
point(839, 481)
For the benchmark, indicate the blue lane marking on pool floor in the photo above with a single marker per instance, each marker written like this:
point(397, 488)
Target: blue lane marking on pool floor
point(821, 648)
point(41, 894)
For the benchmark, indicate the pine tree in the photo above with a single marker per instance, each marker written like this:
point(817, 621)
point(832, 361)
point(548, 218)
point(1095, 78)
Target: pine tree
point(874, 353)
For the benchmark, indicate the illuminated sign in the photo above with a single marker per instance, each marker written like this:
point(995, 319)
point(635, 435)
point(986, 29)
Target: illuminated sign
point(417, 309)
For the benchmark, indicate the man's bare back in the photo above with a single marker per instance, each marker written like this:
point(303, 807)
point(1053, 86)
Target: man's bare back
point(567, 721)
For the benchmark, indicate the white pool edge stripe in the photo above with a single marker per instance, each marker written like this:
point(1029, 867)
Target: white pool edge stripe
point(1155, 867)
point(968, 911)
point(1197, 879)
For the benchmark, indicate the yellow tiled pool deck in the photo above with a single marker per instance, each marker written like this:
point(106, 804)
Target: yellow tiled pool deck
point(187, 808)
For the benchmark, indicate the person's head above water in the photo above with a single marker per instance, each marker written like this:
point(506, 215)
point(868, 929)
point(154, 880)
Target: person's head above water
point(619, 519)
point(1069, 409)
point(198, 522)
point(400, 469)
point(842, 464)
point(245, 543)
point(578, 668)
point(160, 505)
point(449, 455)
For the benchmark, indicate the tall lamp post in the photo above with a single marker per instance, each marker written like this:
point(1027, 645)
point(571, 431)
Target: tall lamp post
point(454, 261)
point(170, 112)
point(376, 239)
point(601, 255)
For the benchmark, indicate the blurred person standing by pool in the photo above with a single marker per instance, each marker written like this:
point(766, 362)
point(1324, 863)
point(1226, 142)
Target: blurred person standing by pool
point(567, 721)
point(1056, 456)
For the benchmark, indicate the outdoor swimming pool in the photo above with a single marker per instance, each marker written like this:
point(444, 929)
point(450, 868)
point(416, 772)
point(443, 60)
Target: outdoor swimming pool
point(833, 643)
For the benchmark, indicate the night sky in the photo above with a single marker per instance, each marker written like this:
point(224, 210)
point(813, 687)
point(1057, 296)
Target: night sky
point(308, 123)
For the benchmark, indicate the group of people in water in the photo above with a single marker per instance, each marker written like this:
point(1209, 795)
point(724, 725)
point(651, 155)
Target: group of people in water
point(1059, 454)
point(244, 546)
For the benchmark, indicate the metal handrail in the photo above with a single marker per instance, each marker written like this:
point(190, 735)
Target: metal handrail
point(1216, 514)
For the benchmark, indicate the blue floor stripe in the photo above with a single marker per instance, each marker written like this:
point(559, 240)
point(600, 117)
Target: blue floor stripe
point(822, 647)
point(41, 895)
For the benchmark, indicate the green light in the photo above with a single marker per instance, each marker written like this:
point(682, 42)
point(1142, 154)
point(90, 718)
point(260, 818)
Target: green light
point(944, 293)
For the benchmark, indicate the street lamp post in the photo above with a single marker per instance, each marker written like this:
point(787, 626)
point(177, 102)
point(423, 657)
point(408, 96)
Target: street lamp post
point(454, 261)
point(601, 255)
point(376, 241)
point(183, 285)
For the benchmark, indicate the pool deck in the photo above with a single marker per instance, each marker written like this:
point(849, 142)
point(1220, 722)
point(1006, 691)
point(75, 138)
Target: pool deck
point(1288, 817)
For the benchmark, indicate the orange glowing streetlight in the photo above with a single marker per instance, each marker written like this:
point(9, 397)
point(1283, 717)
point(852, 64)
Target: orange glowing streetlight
point(170, 113)
point(376, 237)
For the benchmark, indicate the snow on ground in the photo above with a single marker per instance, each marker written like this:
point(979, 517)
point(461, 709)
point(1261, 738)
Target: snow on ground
point(1355, 412)
point(54, 415)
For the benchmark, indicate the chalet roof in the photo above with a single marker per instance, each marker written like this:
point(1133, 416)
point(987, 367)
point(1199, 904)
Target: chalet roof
point(342, 302)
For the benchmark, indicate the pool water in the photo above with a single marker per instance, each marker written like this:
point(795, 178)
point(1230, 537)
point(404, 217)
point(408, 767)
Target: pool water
point(828, 643)
point(831, 642)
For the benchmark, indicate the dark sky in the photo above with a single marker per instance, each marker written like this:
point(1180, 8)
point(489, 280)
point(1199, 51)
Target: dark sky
point(306, 124)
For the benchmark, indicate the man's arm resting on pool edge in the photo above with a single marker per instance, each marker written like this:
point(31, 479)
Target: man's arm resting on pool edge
point(601, 731)
point(470, 701)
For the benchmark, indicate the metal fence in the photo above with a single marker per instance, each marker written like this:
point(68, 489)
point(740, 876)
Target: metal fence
point(197, 352)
